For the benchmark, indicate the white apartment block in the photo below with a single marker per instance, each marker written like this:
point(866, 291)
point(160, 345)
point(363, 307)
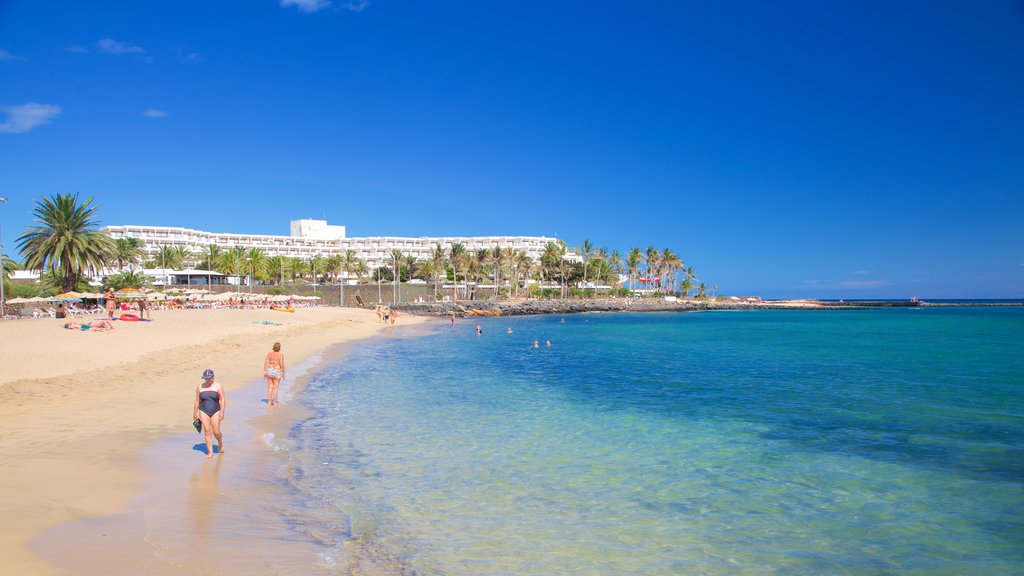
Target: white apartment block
point(311, 238)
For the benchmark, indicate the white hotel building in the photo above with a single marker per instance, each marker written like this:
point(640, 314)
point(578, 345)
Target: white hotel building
point(311, 238)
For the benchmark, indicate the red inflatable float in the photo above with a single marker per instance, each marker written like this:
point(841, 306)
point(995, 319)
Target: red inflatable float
point(129, 317)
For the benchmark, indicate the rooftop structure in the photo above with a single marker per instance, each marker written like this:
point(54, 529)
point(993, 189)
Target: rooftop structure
point(311, 238)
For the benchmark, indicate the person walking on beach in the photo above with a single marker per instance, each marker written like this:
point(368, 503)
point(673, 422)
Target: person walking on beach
point(273, 371)
point(109, 303)
point(394, 316)
point(380, 314)
point(209, 409)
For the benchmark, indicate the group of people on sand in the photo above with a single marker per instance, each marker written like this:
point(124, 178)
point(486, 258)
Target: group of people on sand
point(110, 305)
point(386, 314)
point(211, 403)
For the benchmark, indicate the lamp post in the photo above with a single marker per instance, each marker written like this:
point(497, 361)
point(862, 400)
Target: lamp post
point(3, 274)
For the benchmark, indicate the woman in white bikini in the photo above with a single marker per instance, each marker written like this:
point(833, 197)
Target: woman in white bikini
point(273, 371)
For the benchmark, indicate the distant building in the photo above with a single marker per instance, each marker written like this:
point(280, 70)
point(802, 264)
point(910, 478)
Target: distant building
point(311, 238)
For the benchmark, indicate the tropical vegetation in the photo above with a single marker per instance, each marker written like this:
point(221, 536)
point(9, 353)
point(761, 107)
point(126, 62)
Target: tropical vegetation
point(65, 240)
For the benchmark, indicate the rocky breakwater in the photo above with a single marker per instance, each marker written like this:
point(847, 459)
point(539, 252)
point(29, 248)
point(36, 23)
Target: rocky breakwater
point(529, 307)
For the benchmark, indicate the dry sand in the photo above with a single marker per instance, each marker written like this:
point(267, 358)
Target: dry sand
point(78, 407)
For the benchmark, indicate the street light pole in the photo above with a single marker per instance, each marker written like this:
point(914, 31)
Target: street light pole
point(3, 273)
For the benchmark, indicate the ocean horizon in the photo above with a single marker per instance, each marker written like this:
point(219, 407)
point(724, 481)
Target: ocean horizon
point(881, 442)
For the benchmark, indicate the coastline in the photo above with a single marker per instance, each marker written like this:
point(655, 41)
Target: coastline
point(531, 307)
point(81, 410)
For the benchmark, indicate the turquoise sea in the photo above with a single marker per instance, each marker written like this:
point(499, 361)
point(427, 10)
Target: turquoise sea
point(732, 442)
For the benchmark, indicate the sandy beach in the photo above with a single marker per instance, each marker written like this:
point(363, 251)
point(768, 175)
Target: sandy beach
point(78, 408)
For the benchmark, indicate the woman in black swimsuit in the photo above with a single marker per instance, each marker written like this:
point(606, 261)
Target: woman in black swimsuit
point(209, 409)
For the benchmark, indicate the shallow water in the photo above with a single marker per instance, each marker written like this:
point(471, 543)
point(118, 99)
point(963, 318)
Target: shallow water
point(760, 442)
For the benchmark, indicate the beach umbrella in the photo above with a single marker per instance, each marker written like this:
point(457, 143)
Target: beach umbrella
point(66, 297)
point(129, 294)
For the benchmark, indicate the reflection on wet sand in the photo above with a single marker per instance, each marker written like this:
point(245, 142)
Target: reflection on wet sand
point(203, 503)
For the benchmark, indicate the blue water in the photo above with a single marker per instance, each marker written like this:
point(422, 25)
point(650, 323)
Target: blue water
point(745, 442)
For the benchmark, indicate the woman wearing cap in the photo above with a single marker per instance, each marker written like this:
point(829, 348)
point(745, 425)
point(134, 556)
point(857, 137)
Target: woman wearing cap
point(273, 371)
point(209, 409)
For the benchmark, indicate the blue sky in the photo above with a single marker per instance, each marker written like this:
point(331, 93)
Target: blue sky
point(853, 149)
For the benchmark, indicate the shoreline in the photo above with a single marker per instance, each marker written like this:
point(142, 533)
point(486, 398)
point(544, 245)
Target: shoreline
point(75, 433)
point(464, 308)
point(531, 307)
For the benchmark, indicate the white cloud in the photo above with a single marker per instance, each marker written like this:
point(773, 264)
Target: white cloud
point(7, 56)
point(109, 46)
point(356, 5)
point(77, 49)
point(25, 117)
point(154, 113)
point(862, 272)
point(307, 5)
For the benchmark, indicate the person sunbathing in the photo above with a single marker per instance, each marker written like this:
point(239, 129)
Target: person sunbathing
point(99, 325)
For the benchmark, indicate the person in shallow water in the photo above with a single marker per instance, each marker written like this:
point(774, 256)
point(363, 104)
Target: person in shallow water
point(209, 409)
point(273, 371)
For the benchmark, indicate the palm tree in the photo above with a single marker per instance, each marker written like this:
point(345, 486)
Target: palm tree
point(457, 258)
point(437, 262)
point(586, 251)
point(686, 286)
point(125, 279)
point(614, 262)
point(652, 258)
point(183, 256)
point(672, 263)
point(481, 260)
point(553, 263)
point(65, 239)
point(601, 255)
point(316, 265)
point(127, 251)
point(360, 269)
point(506, 260)
point(239, 254)
point(210, 255)
point(332, 266)
point(349, 261)
point(411, 267)
point(633, 260)
point(276, 264)
point(295, 268)
point(523, 265)
point(256, 264)
point(396, 257)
